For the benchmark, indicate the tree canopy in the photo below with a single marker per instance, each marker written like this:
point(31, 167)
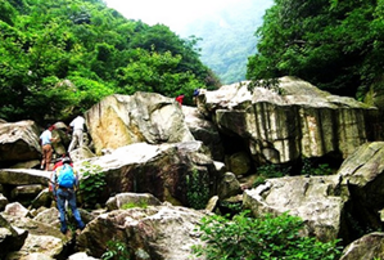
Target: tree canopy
point(335, 45)
point(62, 56)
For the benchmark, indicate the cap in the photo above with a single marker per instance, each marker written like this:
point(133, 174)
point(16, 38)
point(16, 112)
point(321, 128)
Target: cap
point(66, 160)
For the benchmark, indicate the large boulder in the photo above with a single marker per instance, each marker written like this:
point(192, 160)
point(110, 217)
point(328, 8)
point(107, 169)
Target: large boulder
point(42, 238)
point(131, 199)
point(120, 120)
point(370, 246)
point(19, 142)
point(153, 233)
point(319, 201)
point(23, 177)
point(178, 173)
point(363, 173)
point(297, 120)
point(11, 238)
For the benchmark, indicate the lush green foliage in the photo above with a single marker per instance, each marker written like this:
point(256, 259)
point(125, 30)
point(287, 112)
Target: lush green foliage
point(309, 168)
point(116, 250)
point(335, 45)
point(267, 238)
point(197, 190)
point(270, 171)
point(62, 56)
point(91, 185)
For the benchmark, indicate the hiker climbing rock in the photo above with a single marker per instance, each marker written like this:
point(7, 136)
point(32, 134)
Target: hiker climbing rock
point(77, 126)
point(64, 183)
point(180, 98)
point(46, 147)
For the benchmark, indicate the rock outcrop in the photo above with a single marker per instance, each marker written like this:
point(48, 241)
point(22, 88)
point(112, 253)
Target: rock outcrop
point(297, 120)
point(171, 172)
point(19, 142)
point(318, 201)
point(153, 233)
point(120, 120)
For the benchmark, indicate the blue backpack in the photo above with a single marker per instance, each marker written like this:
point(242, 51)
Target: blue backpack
point(66, 177)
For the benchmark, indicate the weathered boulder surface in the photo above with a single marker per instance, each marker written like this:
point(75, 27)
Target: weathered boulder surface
point(120, 120)
point(168, 171)
point(81, 256)
point(318, 201)
point(298, 120)
point(42, 238)
point(19, 142)
point(205, 131)
point(138, 199)
point(23, 177)
point(363, 173)
point(154, 233)
point(11, 238)
point(370, 246)
point(228, 186)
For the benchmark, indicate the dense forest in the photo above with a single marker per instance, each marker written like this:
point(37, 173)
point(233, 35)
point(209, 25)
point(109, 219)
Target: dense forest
point(336, 45)
point(59, 57)
point(227, 37)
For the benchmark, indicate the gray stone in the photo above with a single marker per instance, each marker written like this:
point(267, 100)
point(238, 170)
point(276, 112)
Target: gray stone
point(299, 121)
point(151, 231)
point(318, 201)
point(370, 246)
point(135, 199)
point(120, 120)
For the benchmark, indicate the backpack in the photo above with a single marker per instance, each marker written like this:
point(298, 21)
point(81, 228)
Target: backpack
point(66, 177)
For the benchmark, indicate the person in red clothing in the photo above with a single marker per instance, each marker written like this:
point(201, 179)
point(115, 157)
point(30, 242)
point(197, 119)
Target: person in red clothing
point(60, 162)
point(180, 98)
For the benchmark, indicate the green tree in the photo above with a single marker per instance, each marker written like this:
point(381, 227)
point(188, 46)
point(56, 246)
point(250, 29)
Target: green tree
point(45, 44)
point(329, 43)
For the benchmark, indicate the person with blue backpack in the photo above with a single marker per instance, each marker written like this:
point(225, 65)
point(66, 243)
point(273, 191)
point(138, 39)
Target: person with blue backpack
point(64, 183)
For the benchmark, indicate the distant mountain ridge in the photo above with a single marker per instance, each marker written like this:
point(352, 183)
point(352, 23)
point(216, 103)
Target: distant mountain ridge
point(229, 37)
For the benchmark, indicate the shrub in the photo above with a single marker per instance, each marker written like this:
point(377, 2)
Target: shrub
point(198, 190)
point(92, 185)
point(270, 171)
point(244, 237)
point(116, 250)
point(310, 168)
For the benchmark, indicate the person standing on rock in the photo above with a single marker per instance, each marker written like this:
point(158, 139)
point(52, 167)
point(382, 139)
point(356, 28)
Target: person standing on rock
point(180, 99)
point(46, 147)
point(77, 126)
point(64, 183)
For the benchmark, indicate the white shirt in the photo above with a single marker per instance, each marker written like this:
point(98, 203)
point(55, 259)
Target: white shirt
point(78, 123)
point(46, 137)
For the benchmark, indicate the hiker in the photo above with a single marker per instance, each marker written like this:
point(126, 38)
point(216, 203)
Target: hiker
point(64, 183)
point(46, 147)
point(77, 126)
point(60, 162)
point(180, 98)
point(196, 92)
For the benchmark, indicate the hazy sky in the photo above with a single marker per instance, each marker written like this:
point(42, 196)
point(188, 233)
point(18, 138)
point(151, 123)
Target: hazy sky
point(172, 13)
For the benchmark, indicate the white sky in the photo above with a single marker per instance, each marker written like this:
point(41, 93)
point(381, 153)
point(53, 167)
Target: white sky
point(172, 13)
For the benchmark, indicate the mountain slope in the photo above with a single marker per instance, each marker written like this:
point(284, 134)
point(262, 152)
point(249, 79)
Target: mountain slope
point(228, 37)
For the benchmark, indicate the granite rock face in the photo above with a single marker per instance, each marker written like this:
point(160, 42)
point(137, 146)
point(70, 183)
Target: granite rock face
point(297, 120)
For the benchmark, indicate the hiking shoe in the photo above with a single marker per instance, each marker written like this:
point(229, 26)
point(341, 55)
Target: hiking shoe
point(68, 234)
point(78, 232)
